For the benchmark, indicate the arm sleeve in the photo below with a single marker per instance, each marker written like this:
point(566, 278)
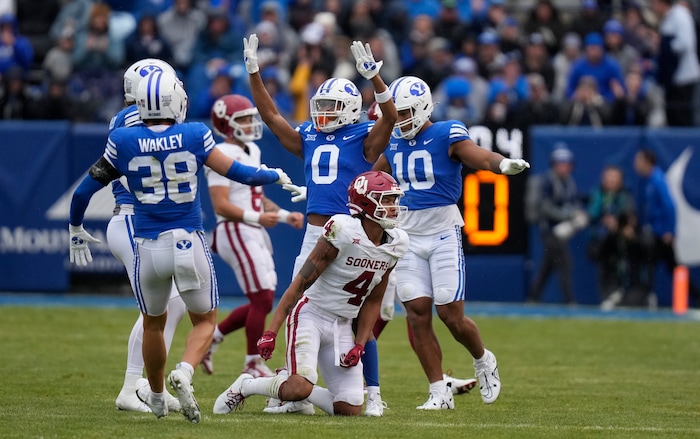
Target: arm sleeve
point(250, 175)
point(81, 198)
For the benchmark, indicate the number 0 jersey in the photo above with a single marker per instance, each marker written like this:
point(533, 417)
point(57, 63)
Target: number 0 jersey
point(360, 265)
point(331, 162)
point(161, 166)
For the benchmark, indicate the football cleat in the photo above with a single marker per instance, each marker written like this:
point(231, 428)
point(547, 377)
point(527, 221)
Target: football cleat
point(257, 368)
point(439, 401)
point(144, 393)
point(375, 406)
point(487, 374)
point(458, 386)
point(128, 401)
point(303, 407)
point(232, 398)
point(185, 394)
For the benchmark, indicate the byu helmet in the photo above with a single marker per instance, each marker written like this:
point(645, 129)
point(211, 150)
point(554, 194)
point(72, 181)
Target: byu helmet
point(337, 103)
point(160, 95)
point(411, 93)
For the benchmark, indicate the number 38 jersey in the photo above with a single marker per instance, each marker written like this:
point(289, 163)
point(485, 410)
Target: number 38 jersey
point(428, 176)
point(161, 165)
point(331, 162)
point(359, 267)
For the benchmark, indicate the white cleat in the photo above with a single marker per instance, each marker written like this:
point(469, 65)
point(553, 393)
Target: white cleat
point(439, 401)
point(185, 394)
point(144, 393)
point(458, 386)
point(375, 406)
point(303, 407)
point(129, 402)
point(489, 381)
point(232, 398)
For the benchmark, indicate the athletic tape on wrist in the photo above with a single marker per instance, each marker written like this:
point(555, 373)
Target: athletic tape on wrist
point(383, 96)
point(251, 217)
point(283, 214)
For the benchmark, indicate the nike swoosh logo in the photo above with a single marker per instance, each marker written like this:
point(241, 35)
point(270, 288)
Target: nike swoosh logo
point(442, 238)
point(348, 137)
point(425, 142)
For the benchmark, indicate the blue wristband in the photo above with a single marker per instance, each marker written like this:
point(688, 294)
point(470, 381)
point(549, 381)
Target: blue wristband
point(250, 175)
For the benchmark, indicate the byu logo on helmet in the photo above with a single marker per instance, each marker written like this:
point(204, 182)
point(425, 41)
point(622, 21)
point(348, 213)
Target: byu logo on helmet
point(352, 89)
point(417, 89)
point(184, 244)
point(149, 68)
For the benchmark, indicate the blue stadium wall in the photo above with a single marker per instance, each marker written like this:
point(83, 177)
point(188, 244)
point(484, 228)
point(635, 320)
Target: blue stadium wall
point(43, 161)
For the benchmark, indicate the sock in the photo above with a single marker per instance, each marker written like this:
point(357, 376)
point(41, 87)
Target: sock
point(134, 354)
point(157, 397)
point(267, 386)
point(438, 386)
point(130, 382)
point(323, 399)
point(482, 359)
point(249, 358)
point(379, 326)
point(176, 310)
point(187, 368)
point(260, 306)
point(372, 391)
point(218, 335)
point(370, 360)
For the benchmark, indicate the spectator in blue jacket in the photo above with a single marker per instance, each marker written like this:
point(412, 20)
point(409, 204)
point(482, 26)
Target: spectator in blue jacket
point(597, 64)
point(657, 213)
point(15, 50)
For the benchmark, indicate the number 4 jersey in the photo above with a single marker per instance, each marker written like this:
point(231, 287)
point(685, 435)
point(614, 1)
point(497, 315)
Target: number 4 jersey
point(359, 267)
point(161, 165)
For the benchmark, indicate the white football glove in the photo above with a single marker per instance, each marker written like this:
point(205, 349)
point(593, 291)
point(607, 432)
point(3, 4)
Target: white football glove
point(79, 250)
point(250, 53)
point(513, 166)
point(283, 177)
point(298, 193)
point(365, 63)
point(564, 230)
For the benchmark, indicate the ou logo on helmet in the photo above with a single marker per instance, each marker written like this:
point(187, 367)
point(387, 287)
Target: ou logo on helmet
point(360, 185)
point(417, 89)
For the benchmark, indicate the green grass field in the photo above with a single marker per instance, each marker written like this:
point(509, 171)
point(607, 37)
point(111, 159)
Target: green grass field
point(62, 368)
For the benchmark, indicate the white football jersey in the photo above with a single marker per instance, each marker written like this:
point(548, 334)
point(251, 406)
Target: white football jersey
point(359, 267)
point(240, 195)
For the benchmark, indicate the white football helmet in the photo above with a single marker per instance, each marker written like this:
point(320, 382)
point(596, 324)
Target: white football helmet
point(160, 95)
point(137, 71)
point(337, 103)
point(411, 93)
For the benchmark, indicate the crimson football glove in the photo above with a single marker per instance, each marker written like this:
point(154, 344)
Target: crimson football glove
point(266, 344)
point(353, 357)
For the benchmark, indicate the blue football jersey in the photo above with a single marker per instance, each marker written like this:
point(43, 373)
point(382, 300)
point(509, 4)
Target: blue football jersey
point(162, 170)
point(424, 170)
point(127, 117)
point(331, 162)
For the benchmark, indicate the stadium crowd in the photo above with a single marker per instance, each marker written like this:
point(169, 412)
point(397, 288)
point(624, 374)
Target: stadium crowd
point(490, 62)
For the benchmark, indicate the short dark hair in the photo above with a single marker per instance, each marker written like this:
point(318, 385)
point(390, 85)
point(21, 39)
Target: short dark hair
point(648, 155)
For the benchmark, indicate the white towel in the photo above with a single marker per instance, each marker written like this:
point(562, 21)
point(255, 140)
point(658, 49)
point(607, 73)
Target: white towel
point(186, 276)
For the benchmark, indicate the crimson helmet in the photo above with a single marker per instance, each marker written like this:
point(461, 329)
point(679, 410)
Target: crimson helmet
point(366, 196)
point(225, 115)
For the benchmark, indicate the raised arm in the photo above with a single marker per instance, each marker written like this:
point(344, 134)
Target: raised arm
point(379, 137)
point(287, 135)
